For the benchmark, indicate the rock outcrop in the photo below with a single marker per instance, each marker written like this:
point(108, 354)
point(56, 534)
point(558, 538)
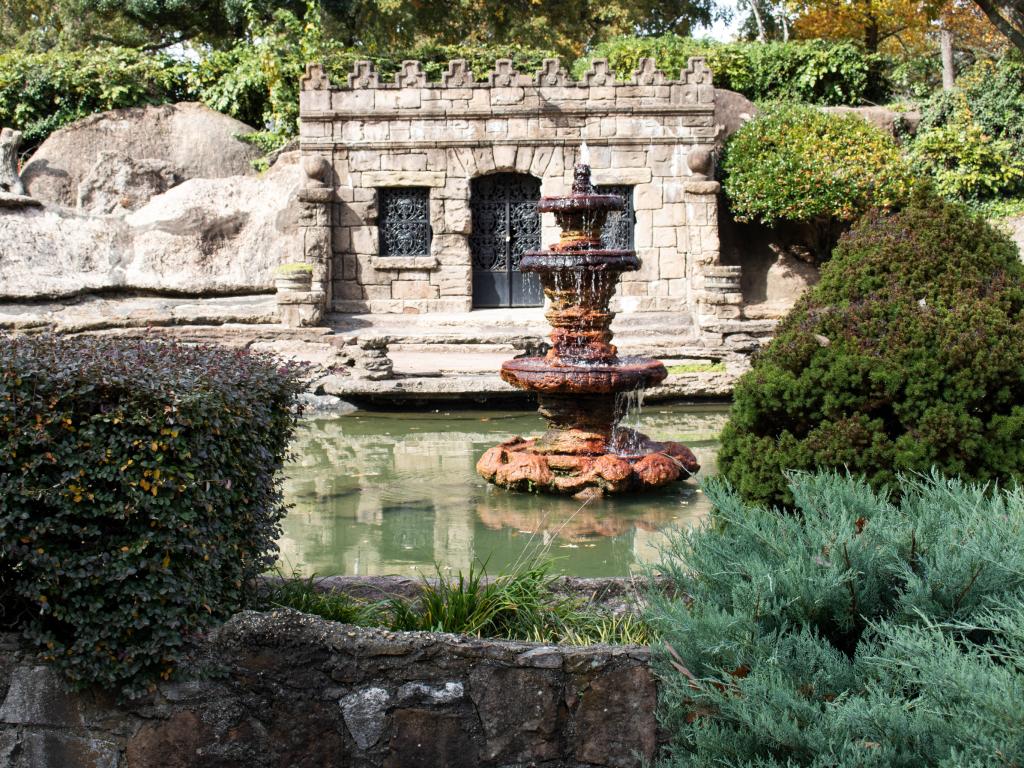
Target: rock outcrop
point(1014, 227)
point(192, 139)
point(118, 183)
point(203, 236)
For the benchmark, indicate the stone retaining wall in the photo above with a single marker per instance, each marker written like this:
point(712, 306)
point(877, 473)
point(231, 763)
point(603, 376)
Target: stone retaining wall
point(288, 690)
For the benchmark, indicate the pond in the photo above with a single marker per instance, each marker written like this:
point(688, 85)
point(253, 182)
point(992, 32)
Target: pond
point(394, 493)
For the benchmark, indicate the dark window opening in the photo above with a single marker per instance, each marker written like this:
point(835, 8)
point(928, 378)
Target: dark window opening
point(618, 227)
point(404, 221)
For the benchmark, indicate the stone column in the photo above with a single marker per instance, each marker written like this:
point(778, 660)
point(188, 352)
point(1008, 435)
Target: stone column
point(714, 288)
point(316, 199)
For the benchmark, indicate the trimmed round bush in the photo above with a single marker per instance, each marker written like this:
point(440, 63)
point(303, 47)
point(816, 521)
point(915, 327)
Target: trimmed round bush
point(795, 163)
point(139, 495)
point(860, 633)
point(906, 356)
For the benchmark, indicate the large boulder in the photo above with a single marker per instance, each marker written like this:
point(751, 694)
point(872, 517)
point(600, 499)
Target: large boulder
point(203, 237)
point(192, 139)
point(732, 110)
point(888, 121)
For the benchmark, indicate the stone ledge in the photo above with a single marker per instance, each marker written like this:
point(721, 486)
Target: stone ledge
point(702, 187)
point(320, 144)
point(541, 110)
point(403, 179)
point(404, 262)
point(317, 195)
point(11, 200)
point(740, 326)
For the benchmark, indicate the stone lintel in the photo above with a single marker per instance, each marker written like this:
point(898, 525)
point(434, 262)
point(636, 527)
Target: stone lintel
point(403, 262)
point(403, 178)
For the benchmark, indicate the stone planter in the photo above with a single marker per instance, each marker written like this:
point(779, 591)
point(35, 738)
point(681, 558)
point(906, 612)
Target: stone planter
point(722, 279)
point(294, 282)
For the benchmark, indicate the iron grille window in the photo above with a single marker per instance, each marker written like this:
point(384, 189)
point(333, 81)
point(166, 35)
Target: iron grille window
point(618, 227)
point(404, 221)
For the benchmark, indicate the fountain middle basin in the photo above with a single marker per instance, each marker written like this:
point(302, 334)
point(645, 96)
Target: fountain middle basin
point(580, 383)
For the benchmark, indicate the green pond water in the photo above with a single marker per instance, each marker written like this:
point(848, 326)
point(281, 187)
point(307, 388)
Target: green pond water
point(394, 493)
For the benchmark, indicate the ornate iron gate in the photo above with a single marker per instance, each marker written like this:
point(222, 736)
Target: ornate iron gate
point(505, 226)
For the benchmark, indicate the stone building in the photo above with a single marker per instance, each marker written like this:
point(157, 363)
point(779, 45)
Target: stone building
point(420, 196)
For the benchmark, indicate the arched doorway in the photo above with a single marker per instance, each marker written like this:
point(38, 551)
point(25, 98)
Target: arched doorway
point(505, 226)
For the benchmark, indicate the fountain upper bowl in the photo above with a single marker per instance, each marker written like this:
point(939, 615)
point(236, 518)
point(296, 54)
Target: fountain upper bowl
point(538, 374)
point(582, 203)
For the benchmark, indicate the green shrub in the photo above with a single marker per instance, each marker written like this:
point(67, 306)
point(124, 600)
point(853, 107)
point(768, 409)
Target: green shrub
point(990, 94)
point(796, 163)
point(139, 495)
point(812, 71)
point(41, 92)
point(906, 355)
point(967, 163)
point(857, 633)
point(971, 139)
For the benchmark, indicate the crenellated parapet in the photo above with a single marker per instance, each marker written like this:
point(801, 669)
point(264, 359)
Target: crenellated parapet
point(507, 90)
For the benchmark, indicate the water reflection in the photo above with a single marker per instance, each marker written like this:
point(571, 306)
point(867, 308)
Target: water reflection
point(378, 493)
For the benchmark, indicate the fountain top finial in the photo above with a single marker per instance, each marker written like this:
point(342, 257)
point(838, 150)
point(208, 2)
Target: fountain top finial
point(581, 183)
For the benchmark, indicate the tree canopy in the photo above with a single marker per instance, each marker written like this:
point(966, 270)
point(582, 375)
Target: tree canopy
point(370, 25)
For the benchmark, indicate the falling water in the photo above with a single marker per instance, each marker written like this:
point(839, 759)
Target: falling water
point(625, 434)
point(584, 154)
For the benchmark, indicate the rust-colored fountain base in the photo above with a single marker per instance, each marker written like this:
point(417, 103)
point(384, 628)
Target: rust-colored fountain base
point(525, 465)
point(580, 380)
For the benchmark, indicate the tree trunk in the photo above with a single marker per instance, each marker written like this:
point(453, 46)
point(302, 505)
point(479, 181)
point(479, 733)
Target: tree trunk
point(871, 35)
point(992, 8)
point(948, 69)
point(761, 36)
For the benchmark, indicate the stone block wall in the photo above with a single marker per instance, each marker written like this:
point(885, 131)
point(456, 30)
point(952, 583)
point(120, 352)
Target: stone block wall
point(441, 136)
point(287, 690)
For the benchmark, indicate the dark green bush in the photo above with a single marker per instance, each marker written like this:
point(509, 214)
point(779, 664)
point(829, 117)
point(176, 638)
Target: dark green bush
point(812, 71)
point(799, 164)
point(41, 92)
point(905, 356)
point(139, 495)
point(858, 633)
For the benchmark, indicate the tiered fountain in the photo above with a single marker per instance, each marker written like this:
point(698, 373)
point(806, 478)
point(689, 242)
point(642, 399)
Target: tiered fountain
point(582, 385)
